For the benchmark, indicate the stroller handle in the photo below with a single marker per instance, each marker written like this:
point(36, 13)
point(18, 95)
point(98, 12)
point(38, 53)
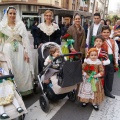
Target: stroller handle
point(70, 54)
point(6, 76)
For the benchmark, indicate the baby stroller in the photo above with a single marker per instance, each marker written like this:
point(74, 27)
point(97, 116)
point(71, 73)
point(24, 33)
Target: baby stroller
point(64, 82)
point(10, 108)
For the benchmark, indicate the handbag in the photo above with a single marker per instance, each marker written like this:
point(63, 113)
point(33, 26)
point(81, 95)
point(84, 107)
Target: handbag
point(6, 92)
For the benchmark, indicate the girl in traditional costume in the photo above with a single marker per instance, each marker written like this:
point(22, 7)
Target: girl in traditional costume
point(15, 44)
point(91, 89)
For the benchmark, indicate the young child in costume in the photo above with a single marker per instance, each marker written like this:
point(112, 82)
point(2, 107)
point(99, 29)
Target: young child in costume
point(54, 52)
point(91, 89)
point(102, 54)
point(112, 49)
point(7, 95)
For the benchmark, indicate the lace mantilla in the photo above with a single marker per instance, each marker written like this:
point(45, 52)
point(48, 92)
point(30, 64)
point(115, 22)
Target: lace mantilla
point(48, 29)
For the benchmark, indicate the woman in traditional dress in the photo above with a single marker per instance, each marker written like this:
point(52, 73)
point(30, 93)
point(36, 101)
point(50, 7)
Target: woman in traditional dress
point(78, 34)
point(15, 44)
point(91, 89)
point(48, 32)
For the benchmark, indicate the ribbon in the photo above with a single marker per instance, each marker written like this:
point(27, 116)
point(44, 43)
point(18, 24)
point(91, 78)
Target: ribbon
point(92, 80)
point(69, 42)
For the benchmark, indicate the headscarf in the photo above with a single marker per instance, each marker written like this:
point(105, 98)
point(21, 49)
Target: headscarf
point(4, 21)
point(22, 32)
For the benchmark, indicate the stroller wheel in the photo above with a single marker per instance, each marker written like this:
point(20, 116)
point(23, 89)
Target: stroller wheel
point(72, 96)
point(44, 103)
point(36, 87)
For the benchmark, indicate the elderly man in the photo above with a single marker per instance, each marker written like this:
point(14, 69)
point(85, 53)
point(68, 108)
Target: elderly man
point(94, 30)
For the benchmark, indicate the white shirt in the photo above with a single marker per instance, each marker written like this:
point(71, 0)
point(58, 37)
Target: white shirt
point(95, 29)
point(115, 50)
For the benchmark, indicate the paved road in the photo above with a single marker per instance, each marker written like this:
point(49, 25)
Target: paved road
point(66, 110)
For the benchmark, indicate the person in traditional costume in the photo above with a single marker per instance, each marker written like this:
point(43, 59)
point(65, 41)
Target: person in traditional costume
point(78, 35)
point(48, 30)
point(102, 54)
point(91, 89)
point(94, 30)
point(15, 44)
point(7, 95)
point(111, 47)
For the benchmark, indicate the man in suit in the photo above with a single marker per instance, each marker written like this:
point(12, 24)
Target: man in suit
point(94, 30)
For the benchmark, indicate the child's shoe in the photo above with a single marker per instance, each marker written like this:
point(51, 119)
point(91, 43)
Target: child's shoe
point(95, 107)
point(4, 116)
point(84, 104)
point(19, 109)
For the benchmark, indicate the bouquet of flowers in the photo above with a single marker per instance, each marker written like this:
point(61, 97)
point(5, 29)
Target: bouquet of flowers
point(68, 43)
point(91, 72)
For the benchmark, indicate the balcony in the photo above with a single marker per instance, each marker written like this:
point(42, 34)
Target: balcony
point(84, 9)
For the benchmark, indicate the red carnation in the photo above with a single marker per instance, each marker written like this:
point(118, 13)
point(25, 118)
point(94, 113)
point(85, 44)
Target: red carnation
point(86, 68)
point(66, 35)
point(116, 68)
point(92, 68)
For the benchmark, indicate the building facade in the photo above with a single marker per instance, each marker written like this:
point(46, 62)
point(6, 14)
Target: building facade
point(28, 9)
point(100, 6)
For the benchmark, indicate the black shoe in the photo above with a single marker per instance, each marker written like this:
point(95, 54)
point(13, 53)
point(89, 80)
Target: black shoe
point(95, 107)
point(19, 109)
point(84, 104)
point(110, 95)
point(4, 116)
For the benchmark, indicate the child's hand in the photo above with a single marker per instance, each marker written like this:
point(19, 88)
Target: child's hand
point(87, 76)
point(96, 76)
point(49, 61)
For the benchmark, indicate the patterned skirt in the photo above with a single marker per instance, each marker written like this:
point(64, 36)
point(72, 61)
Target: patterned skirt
point(94, 97)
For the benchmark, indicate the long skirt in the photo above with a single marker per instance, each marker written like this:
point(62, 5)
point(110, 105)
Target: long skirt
point(20, 68)
point(94, 97)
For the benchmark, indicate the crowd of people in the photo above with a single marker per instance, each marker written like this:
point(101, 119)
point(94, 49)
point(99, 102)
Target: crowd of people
point(103, 38)
point(99, 44)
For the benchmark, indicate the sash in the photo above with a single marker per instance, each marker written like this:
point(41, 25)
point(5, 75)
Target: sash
point(13, 40)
